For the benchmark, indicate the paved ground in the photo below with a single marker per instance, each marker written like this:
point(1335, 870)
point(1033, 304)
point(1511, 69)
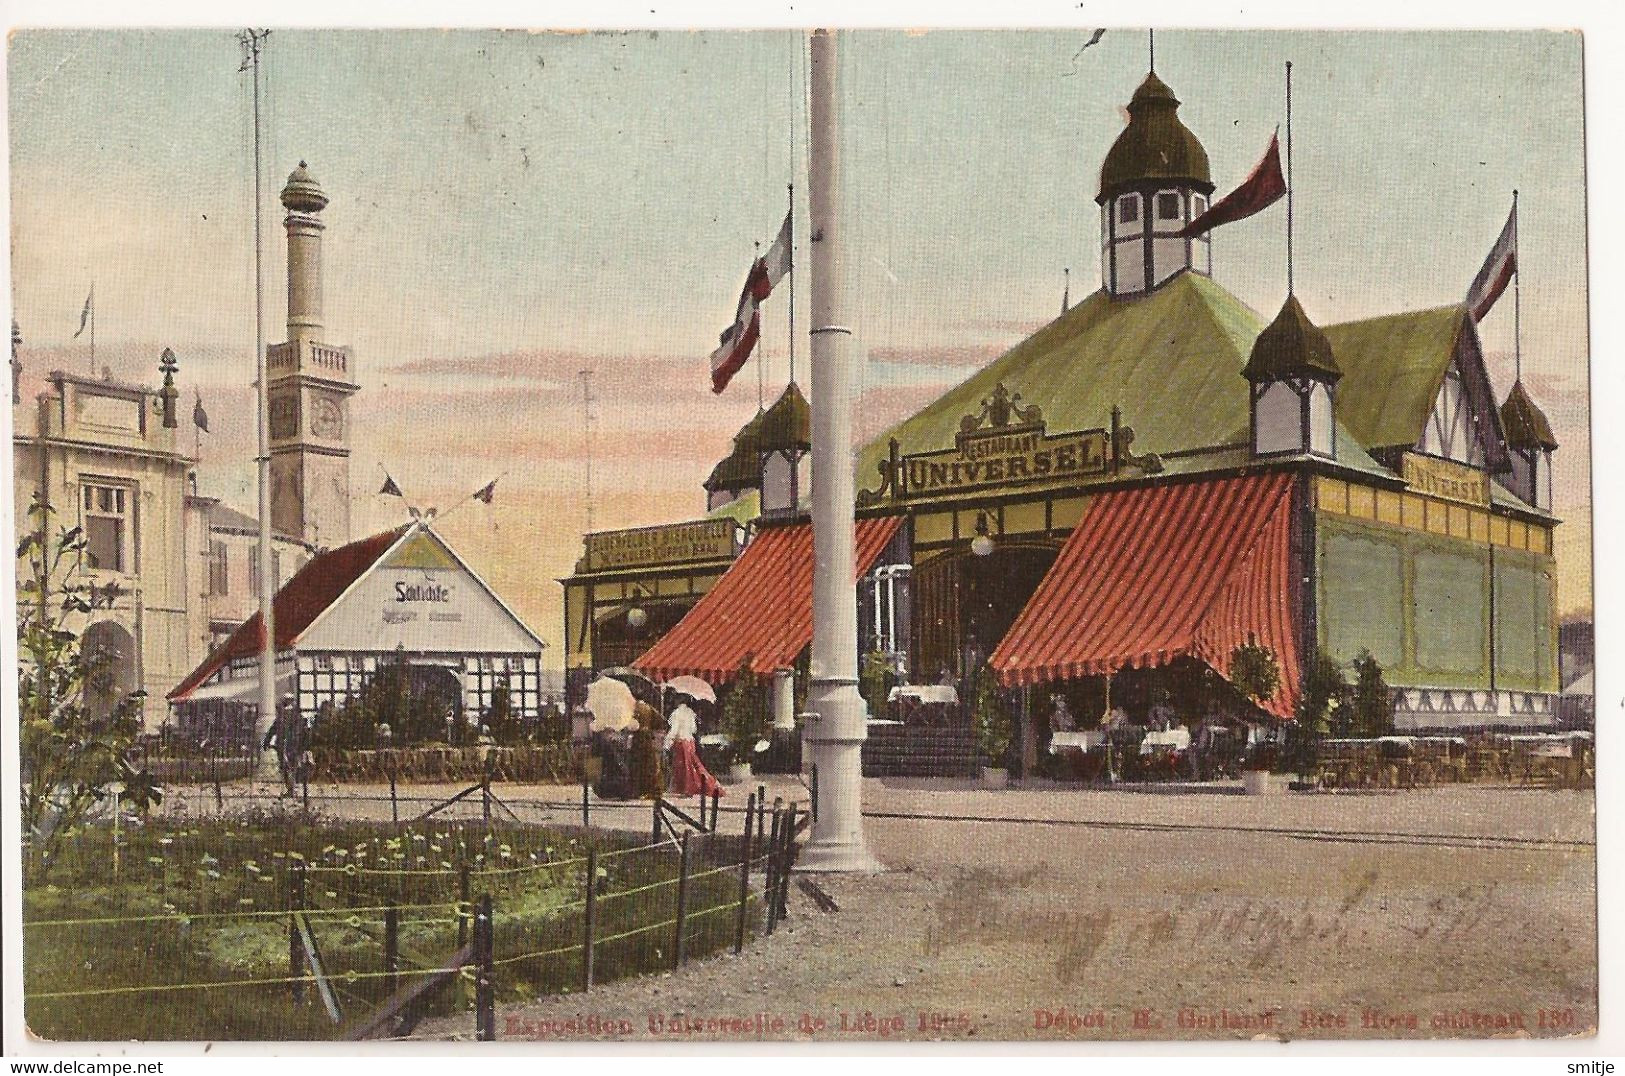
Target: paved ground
point(1168, 913)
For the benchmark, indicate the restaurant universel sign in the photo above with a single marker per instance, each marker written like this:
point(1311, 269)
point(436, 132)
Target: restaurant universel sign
point(1004, 444)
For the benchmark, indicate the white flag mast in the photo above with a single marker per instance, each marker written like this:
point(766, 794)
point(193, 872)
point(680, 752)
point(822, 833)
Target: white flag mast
point(253, 41)
point(838, 722)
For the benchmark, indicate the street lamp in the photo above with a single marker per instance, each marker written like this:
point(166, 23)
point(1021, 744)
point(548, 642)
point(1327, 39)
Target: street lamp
point(637, 616)
point(982, 545)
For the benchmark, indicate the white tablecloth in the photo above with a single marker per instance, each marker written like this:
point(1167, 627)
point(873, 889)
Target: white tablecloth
point(1082, 740)
point(1178, 738)
point(938, 693)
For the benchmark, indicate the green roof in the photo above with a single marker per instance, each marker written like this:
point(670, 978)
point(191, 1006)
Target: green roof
point(1172, 360)
point(1184, 343)
point(1392, 368)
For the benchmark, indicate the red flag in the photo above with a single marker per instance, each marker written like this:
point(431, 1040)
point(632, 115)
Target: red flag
point(1498, 268)
point(486, 492)
point(1262, 188)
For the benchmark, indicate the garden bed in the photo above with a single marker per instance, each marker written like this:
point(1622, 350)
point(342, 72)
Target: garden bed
point(181, 932)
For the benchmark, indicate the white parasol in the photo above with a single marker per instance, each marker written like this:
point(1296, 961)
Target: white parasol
point(693, 687)
point(611, 704)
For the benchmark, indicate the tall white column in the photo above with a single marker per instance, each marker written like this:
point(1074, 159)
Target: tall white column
point(837, 720)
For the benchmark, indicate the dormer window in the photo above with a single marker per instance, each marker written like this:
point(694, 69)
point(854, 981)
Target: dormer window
point(1168, 205)
point(1128, 209)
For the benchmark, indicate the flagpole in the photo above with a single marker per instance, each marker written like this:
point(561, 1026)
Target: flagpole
point(1517, 297)
point(1289, 177)
point(92, 326)
point(792, 216)
point(252, 41)
point(837, 721)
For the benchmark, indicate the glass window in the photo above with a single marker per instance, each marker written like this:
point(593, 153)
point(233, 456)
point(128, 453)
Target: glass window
point(219, 578)
point(1168, 205)
point(1128, 209)
point(106, 524)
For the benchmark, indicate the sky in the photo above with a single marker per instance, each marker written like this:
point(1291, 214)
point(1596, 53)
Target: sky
point(511, 208)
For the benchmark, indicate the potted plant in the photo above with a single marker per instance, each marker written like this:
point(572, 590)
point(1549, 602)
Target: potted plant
point(992, 730)
point(1257, 675)
point(742, 721)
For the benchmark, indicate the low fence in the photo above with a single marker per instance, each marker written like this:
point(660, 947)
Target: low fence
point(379, 927)
point(554, 762)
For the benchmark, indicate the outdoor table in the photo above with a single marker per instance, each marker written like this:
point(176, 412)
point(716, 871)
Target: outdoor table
point(1081, 741)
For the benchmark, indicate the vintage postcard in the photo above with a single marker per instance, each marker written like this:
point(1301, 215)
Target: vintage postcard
point(802, 536)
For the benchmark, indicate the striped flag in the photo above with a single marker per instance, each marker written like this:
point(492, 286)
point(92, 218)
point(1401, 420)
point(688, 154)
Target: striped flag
point(1498, 269)
point(739, 339)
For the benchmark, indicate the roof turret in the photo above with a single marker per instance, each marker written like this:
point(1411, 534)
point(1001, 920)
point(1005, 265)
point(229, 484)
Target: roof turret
point(1155, 146)
point(1291, 345)
point(1525, 424)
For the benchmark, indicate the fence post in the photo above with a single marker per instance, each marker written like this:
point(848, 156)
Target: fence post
point(394, 803)
point(771, 892)
point(679, 946)
point(813, 790)
point(786, 858)
point(744, 880)
point(654, 830)
point(296, 901)
point(485, 1007)
point(761, 808)
point(462, 906)
point(716, 809)
point(392, 949)
point(590, 919)
point(586, 818)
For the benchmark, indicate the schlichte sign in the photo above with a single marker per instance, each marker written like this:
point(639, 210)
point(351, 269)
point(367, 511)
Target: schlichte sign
point(704, 539)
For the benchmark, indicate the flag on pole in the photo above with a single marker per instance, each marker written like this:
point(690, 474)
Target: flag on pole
point(1498, 269)
point(1262, 188)
point(390, 488)
point(84, 315)
point(777, 258)
point(486, 492)
point(739, 339)
point(200, 417)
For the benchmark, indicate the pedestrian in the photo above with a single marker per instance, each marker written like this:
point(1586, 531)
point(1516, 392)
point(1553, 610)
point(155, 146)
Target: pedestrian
point(689, 777)
point(647, 780)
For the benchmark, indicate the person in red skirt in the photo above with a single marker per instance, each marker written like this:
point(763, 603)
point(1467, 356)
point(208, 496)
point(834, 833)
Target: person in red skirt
point(689, 777)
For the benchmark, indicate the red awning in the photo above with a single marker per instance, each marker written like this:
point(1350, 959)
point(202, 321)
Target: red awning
point(760, 609)
point(1161, 572)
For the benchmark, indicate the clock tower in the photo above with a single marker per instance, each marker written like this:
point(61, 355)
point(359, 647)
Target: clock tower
point(309, 387)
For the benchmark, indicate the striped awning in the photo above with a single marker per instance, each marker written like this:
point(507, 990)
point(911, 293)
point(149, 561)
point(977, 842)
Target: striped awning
point(761, 609)
point(1156, 573)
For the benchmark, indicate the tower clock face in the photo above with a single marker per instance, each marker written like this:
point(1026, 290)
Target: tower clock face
point(327, 419)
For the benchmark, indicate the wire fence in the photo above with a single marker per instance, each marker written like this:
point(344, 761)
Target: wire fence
point(272, 927)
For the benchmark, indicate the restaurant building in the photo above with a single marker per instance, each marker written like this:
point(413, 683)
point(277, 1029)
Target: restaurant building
point(403, 600)
point(1161, 476)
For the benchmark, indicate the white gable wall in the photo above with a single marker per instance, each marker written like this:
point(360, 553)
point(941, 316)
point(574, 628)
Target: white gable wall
point(441, 609)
